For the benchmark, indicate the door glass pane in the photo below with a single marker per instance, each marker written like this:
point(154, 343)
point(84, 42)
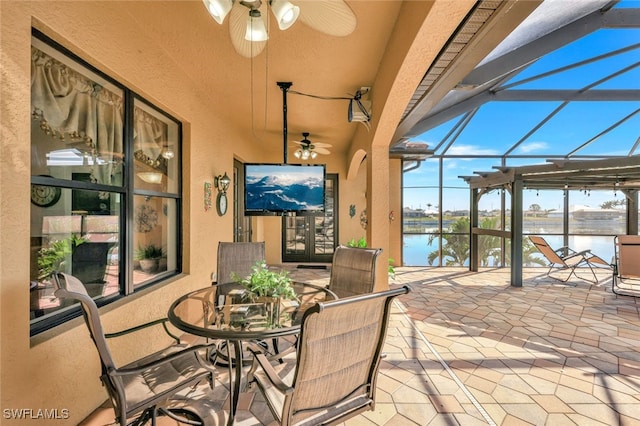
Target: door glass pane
point(296, 235)
point(324, 225)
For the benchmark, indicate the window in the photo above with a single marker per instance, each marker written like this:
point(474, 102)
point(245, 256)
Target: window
point(106, 189)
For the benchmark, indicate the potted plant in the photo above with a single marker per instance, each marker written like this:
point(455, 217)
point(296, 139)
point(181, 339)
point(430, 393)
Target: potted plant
point(264, 282)
point(268, 287)
point(55, 256)
point(149, 257)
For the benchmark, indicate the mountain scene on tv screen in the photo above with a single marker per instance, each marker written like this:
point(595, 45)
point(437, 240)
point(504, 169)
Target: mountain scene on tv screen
point(284, 192)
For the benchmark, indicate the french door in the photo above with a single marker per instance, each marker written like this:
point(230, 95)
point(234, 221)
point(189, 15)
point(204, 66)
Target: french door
point(242, 231)
point(313, 238)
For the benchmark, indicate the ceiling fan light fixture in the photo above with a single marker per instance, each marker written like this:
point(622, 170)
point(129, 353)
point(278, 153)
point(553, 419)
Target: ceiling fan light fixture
point(286, 13)
point(218, 9)
point(298, 153)
point(313, 155)
point(256, 29)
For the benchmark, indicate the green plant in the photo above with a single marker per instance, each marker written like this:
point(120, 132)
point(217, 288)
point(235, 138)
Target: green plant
point(50, 258)
point(362, 242)
point(264, 282)
point(150, 251)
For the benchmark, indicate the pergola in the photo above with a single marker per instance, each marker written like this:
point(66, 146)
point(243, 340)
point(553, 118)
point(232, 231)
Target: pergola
point(617, 173)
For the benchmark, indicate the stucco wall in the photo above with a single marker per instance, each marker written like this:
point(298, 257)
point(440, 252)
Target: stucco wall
point(60, 369)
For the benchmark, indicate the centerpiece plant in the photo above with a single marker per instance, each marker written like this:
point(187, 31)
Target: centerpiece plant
point(263, 282)
point(268, 287)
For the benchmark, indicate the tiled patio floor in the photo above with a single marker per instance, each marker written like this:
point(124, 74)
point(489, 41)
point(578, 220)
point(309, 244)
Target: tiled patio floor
point(468, 349)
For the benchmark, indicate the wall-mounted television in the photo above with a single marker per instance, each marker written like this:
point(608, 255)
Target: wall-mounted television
point(278, 189)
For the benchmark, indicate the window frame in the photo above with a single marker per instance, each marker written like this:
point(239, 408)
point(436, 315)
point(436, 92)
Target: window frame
point(126, 190)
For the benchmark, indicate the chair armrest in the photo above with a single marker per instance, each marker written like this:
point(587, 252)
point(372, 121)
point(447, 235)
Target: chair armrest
point(160, 361)
point(260, 359)
point(162, 321)
point(582, 254)
point(565, 249)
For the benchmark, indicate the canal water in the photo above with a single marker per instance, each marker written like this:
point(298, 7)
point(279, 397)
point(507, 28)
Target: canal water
point(416, 248)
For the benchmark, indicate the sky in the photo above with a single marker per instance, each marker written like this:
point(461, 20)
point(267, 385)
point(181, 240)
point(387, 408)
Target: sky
point(613, 127)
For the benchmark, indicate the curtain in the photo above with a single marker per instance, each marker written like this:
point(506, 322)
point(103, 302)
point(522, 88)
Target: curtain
point(149, 139)
point(79, 112)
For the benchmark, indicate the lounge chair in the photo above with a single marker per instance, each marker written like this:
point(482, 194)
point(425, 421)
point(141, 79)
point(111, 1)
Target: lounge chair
point(626, 266)
point(567, 259)
point(334, 369)
point(141, 389)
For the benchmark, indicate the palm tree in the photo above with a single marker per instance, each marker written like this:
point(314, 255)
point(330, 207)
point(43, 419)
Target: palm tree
point(455, 247)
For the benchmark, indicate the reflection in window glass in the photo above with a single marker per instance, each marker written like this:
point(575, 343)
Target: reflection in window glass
point(154, 238)
point(78, 242)
point(156, 157)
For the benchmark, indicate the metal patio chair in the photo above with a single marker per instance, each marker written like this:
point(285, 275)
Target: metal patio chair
point(335, 364)
point(236, 258)
point(626, 266)
point(239, 258)
point(353, 270)
point(567, 259)
point(140, 390)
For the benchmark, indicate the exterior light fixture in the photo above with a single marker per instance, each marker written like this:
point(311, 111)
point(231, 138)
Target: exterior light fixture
point(222, 183)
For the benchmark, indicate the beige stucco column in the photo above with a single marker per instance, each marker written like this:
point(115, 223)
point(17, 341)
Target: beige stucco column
point(378, 209)
point(422, 29)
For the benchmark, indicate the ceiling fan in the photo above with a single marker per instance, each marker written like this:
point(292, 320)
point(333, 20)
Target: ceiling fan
point(309, 150)
point(248, 30)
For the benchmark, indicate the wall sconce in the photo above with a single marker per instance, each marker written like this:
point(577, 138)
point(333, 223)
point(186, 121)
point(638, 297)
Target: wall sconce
point(222, 183)
point(150, 177)
point(167, 153)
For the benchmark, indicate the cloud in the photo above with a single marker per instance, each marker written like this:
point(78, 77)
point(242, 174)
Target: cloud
point(471, 150)
point(532, 147)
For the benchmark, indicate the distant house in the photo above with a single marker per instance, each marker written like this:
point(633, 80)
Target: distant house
point(409, 212)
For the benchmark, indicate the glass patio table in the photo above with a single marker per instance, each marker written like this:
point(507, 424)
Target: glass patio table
point(228, 312)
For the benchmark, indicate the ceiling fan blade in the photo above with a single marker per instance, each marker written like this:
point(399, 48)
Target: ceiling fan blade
point(332, 17)
point(321, 145)
point(321, 150)
point(238, 27)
